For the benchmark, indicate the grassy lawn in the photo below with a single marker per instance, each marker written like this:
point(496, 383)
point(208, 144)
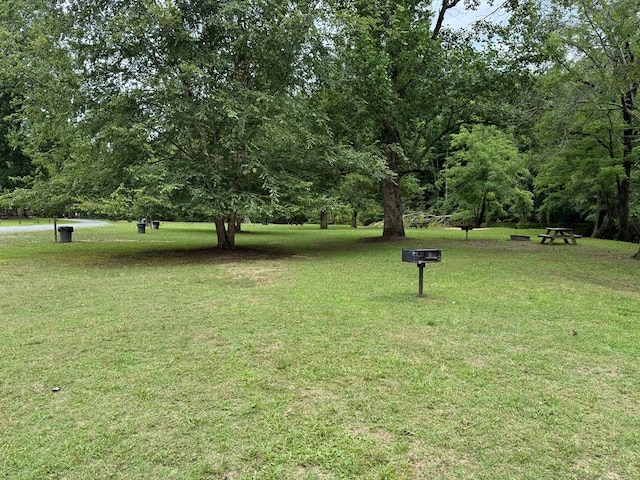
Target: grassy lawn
point(14, 222)
point(306, 354)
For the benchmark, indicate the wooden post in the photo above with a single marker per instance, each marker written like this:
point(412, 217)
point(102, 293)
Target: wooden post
point(421, 279)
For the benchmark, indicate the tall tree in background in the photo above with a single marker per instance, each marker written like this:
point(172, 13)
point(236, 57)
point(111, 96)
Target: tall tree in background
point(596, 92)
point(39, 74)
point(486, 174)
point(15, 166)
point(359, 192)
point(13, 162)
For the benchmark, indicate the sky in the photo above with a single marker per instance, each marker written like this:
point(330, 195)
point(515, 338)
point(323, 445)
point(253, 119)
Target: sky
point(459, 18)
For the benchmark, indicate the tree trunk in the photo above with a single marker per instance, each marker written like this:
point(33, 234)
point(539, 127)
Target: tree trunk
point(629, 136)
point(601, 224)
point(324, 220)
point(624, 185)
point(354, 219)
point(391, 195)
point(483, 211)
point(226, 233)
point(392, 206)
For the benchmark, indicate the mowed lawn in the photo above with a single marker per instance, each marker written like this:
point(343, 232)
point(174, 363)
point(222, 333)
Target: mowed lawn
point(306, 354)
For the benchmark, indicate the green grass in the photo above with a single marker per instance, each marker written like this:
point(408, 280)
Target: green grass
point(14, 222)
point(306, 354)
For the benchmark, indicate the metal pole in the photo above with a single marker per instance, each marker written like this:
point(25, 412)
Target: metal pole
point(420, 279)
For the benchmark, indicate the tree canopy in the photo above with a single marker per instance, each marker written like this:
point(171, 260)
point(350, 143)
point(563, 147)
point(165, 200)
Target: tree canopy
point(594, 85)
point(487, 175)
point(214, 110)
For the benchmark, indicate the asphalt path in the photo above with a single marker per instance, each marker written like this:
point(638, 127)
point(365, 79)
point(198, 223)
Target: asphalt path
point(49, 226)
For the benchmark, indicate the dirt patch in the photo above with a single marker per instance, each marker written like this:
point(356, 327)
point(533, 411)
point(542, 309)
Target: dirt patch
point(254, 274)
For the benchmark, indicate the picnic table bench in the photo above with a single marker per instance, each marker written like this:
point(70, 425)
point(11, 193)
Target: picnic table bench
point(559, 233)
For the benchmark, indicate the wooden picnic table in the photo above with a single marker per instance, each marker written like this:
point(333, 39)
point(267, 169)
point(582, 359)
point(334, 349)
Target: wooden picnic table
point(559, 233)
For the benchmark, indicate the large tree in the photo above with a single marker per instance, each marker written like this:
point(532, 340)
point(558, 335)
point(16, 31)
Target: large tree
point(403, 83)
point(190, 87)
point(389, 81)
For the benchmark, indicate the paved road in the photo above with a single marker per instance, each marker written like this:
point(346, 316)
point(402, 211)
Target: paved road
point(49, 226)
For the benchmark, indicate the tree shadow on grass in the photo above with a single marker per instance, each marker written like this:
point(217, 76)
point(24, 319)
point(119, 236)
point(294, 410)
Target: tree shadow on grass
point(169, 255)
point(192, 256)
point(116, 254)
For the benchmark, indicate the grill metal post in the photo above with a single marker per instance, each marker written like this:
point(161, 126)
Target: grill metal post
point(421, 256)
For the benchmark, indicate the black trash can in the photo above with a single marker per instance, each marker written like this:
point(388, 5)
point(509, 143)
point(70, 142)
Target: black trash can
point(65, 234)
point(141, 227)
point(156, 224)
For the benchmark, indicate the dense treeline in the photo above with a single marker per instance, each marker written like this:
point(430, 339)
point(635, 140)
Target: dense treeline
point(217, 110)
